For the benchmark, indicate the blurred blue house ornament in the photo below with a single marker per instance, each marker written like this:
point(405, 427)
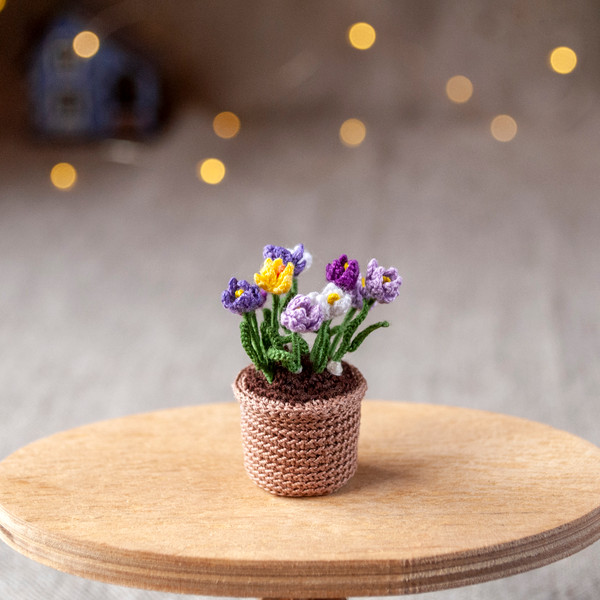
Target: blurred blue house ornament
point(114, 93)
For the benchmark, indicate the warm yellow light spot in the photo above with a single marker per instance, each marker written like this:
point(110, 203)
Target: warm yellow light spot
point(333, 298)
point(2, 4)
point(361, 36)
point(86, 44)
point(345, 266)
point(563, 60)
point(226, 125)
point(386, 279)
point(503, 128)
point(353, 132)
point(363, 282)
point(238, 293)
point(459, 89)
point(63, 176)
point(211, 170)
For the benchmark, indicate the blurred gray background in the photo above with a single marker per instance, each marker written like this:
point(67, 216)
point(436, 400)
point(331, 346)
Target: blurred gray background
point(109, 294)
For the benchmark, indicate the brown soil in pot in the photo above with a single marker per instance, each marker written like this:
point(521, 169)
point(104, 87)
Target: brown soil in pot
point(304, 386)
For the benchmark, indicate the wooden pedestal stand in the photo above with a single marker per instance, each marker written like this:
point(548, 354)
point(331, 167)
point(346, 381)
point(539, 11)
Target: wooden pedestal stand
point(443, 497)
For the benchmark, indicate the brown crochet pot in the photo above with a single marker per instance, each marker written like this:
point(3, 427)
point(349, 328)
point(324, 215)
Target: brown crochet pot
point(300, 433)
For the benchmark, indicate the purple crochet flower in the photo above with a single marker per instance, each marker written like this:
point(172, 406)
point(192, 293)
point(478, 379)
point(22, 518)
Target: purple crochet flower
point(343, 272)
point(300, 258)
point(302, 314)
point(241, 297)
point(358, 293)
point(382, 284)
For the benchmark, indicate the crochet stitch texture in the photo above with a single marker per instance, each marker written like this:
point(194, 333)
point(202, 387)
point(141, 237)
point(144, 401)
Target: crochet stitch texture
point(300, 433)
point(278, 340)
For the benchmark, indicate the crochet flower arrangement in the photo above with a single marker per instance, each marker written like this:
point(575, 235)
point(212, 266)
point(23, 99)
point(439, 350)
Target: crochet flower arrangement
point(348, 294)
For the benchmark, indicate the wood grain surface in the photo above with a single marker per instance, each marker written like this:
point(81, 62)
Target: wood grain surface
point(443, 497)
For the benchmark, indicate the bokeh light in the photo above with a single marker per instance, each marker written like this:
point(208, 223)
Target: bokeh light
point(86, 44)
point(361, 36)
point(2, 5)
point(353, 132)
point(63, 176)
point(563, 60)
point(211, 170)
point(503, 128)
point(459, 89)
point(226, 125)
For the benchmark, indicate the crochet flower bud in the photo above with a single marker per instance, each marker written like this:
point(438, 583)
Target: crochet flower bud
point(334, 302)
point(382, 284)
point(241, 297)
point(302, 314)
point(343, 272)
point(274, 277)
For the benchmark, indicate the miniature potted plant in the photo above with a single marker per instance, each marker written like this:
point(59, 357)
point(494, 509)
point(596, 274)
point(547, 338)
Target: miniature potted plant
point(300, 405)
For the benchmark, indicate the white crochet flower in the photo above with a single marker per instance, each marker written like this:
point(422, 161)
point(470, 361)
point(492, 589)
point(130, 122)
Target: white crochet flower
point(334, 367)
point(334, 301)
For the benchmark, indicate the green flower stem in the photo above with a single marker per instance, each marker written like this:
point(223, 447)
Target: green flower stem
point(266, 316)
point(276, 311)
point(257, 337)
point(291, 360)
point(320, 349)
point(297, 351)
point(246, 339)
point(267, 348)
point(265, 329)
point(250, 330)
point(340, 331)
point(252, 343)
point(303, 345)
point(351, 328)
point(293, 291)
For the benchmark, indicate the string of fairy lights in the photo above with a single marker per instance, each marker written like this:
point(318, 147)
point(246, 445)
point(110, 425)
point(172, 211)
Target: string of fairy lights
point(352, 132)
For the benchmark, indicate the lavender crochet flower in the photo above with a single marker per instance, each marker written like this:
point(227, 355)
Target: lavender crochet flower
point(343, 272)
point(382, 284)
point(302, 314)
point(241, 297)
point(298, 256)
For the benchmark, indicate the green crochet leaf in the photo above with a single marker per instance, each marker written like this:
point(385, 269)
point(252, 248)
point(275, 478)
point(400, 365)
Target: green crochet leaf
point(320, 350)
point(362, 336)
point(269, 374)
point(303, 345)
point(276, 312)
point(274, 338)
point(246, 339)
point(265, 329)
point(350, 329)
point(283, 357)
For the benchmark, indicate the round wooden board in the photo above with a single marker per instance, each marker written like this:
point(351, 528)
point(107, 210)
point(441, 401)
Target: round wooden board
point(443, 497)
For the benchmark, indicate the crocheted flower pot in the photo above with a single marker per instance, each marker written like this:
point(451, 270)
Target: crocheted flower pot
point(300, 433)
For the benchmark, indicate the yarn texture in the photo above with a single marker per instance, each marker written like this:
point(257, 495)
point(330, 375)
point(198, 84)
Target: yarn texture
point(300, 433)
point(276, 340)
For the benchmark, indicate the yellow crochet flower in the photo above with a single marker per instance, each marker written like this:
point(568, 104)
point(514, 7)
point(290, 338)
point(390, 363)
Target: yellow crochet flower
point(274, 277)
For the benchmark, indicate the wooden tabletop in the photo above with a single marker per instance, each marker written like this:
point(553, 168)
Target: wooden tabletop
point(443, 497)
